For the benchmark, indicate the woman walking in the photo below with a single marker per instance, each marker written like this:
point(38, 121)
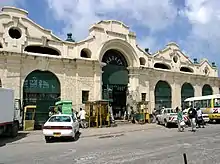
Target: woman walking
point(180, 120)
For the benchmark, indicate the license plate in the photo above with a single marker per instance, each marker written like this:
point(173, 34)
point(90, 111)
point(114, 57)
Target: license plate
point(56, 134)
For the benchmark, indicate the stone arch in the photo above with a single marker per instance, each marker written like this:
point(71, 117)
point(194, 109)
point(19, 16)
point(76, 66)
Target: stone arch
point(207, 90)
point(115, 80)
point(122, 46)
point(186, 69)
point(118, 58)
point(85, 53)
point(187, 90)
point(43, 89)
point(142, 61)
point(42, 50)
point(162, 66)
point(163, 94)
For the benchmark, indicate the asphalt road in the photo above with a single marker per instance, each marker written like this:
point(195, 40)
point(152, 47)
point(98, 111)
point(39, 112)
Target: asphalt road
point(154, 146)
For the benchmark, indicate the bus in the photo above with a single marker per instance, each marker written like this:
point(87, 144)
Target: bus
point(209, 104)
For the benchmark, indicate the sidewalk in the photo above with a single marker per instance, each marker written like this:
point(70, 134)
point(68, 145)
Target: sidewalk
point(93, 132)
point(37, 136)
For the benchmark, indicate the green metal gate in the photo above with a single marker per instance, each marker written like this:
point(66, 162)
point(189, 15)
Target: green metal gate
point(115, 80)
point(163, 95)
point(187, 91)
point(41, 88)
point(207, 90)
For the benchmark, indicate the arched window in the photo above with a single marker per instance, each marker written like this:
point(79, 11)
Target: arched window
point(142, 61)
point(163, 95)
point(41, 88)
point(186, 69)
point(161, 66)
point(42, 50)
point(85, 53)
point(207, 90)
point(187, 91)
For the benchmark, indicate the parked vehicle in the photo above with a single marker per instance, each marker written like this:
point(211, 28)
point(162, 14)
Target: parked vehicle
point(61, 125)
point(210, 105)
point(10, 117)
point(204, 116)
point(168, 116)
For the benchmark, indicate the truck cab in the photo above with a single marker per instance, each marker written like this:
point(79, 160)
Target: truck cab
point(168, 116)
point(11, 116)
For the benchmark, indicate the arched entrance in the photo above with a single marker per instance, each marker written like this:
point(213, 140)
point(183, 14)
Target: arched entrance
point(0, 83)
point(41, 88)
point(207, 90)
point(187, 91)
point(163, 95)
point(115, 81)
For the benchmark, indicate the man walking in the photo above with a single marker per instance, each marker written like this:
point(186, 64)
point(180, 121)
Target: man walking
point(192, 116)
point(200, 120)
point(82, 117)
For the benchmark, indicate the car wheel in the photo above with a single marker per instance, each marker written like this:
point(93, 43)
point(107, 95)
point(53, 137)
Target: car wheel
point(166, 124)
point(47, 139)
point(14, 130)
point(157, 121)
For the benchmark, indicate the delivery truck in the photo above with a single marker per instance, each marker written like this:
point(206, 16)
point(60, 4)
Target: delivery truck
point(10, 113)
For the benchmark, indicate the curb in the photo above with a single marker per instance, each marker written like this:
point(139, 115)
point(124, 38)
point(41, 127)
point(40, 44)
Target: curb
point(29, 133)
point(112, 133)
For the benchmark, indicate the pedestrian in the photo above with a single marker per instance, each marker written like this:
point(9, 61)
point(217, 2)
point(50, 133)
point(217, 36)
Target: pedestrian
point(82, 117)
point(111, 113)
point(132, 115)
point(192, 116)
point(154, 113)
point(180, 120)
point(200, 120)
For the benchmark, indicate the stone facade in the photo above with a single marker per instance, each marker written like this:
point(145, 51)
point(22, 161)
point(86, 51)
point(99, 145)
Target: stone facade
point(77, 72)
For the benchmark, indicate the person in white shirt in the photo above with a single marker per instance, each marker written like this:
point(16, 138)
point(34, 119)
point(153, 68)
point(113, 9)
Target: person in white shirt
point(200, 120)
point(82, 117)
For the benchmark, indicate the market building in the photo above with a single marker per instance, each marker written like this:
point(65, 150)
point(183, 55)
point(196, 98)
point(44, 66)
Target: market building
point(108, 64)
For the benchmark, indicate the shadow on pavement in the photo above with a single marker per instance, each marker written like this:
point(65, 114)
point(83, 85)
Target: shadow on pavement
point(5, 139)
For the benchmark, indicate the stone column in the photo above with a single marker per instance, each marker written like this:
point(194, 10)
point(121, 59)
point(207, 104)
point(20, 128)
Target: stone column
point(97, 92)
point(133, 88)
point(197, 83)
point(151, 96)
point(176, 95)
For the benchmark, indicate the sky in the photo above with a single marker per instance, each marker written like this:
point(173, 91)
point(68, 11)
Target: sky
point(192, 24)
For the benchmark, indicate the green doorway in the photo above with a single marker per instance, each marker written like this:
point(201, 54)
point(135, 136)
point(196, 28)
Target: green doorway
point(163, 95)
point(41, 88)
point(187, 91)
point(207, 90)
point(115, 81)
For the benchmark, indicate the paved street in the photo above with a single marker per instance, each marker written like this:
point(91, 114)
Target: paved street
point(153, 145)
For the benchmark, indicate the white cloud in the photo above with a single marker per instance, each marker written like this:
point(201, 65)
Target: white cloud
point(149, 42)
point(204, 17)
point(11, 2)
point(78, 15)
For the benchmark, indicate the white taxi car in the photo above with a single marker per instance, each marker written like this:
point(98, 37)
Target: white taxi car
point(60, 125)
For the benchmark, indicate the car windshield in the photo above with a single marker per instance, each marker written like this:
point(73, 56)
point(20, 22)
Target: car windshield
point(217, 103)
point(60, 119)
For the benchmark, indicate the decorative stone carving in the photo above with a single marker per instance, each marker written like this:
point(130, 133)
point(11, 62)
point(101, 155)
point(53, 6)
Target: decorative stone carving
point(206, 71)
